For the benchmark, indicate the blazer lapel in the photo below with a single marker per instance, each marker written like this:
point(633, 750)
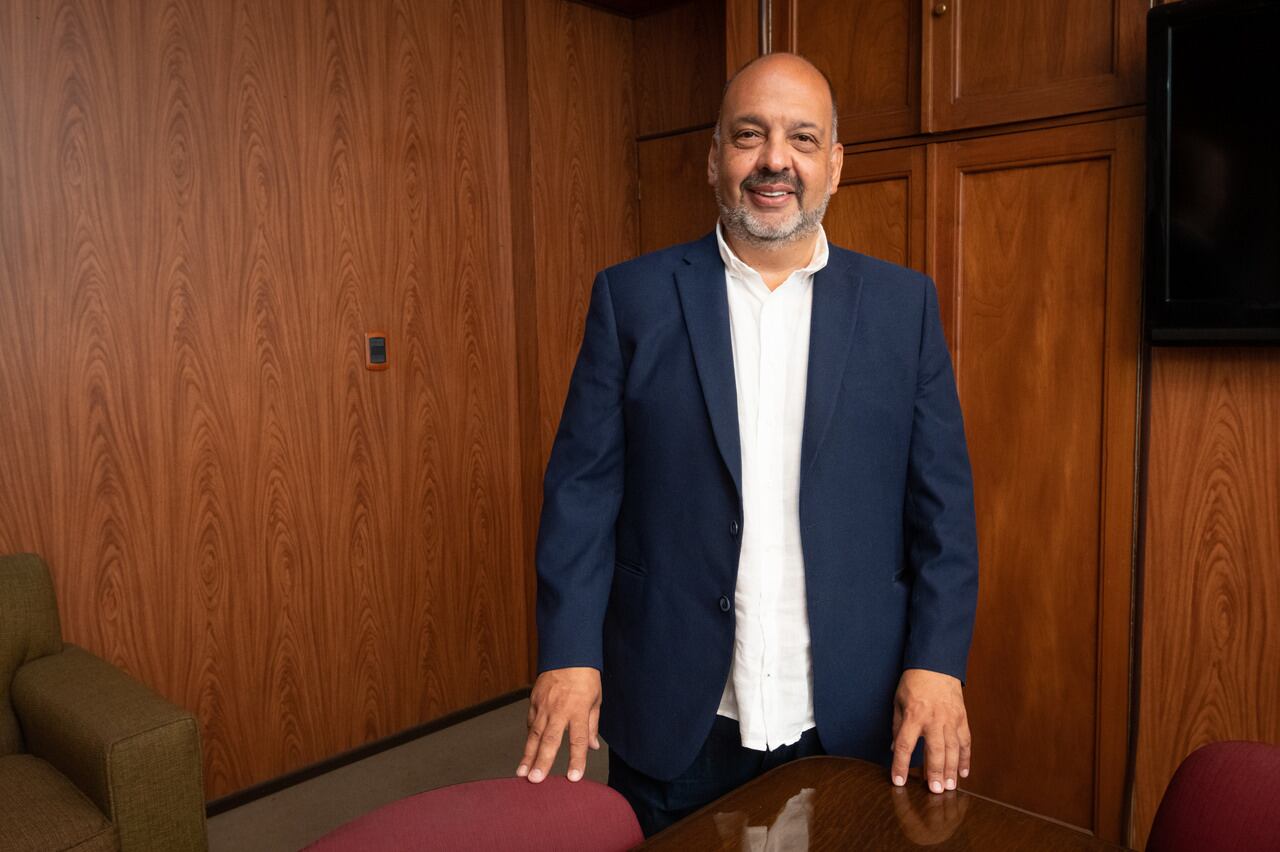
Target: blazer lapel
point(705, 303)
point(836, 289)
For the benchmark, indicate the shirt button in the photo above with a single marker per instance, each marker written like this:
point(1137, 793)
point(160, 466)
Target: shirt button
point(734, 528)
point(724, 604)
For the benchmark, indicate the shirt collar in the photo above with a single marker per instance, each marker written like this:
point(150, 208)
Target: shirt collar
point(735, 264)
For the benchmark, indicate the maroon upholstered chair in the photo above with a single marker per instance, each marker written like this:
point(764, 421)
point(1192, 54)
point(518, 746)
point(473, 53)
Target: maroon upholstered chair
point(489, 816)
point(1224, 796)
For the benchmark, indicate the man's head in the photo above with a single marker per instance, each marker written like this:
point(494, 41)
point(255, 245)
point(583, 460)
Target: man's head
point(774, 159)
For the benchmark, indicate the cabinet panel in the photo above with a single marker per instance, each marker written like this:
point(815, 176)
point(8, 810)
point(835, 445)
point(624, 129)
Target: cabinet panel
point(1009, 60)
point(676, 203)
point(871, 51)
point(1035, 245)
point(741, 33)
point(880, 207)
point(679, 66)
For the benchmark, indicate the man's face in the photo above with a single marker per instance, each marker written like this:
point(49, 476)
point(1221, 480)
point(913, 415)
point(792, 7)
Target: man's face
point(775, 165)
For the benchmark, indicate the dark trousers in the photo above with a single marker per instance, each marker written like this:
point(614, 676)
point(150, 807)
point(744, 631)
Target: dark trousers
point(721, 765)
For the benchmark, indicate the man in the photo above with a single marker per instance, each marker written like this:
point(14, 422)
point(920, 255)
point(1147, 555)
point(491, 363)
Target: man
point(757, 540)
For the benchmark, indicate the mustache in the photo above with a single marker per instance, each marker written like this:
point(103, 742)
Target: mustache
point(762, 178)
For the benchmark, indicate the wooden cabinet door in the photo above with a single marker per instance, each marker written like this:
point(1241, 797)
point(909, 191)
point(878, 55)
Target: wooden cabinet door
point(871, 51)
point(993, 61)
point(676, 203)
point(679, 66)
point(1035, 245)
point(879, 208)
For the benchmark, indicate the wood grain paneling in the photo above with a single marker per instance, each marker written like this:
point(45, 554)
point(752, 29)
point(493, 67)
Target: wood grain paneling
point(741, 34)
point(1008, 60)
point(205, 206)
point(680, 66)
point(871, 51)
point(573, 173)
point(584, 178)
point(880, 207)
point(1035, 244)
point(630, 8)
point(1211, 565)
point(676, 203)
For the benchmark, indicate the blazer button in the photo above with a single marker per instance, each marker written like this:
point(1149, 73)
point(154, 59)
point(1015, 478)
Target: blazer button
point(734, 529)
point(724, 604)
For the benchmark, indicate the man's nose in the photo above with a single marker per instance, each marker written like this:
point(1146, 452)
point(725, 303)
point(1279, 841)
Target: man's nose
point(774, 155)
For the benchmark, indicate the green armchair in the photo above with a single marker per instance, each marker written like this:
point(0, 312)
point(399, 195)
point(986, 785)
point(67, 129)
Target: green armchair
point(89, 758)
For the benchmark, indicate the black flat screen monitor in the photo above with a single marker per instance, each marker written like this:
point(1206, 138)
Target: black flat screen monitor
point(1213, 172)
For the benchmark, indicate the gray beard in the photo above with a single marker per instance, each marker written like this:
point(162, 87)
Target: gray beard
point(742, 224)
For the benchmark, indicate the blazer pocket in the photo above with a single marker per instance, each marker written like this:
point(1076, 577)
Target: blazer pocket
point(635, 569)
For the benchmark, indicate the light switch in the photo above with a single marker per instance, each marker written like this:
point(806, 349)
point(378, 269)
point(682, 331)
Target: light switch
point(375, 351)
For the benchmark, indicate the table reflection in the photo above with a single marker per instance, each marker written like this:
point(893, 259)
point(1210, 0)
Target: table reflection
point(830, 803)
point(928, 820)
point(789, 828)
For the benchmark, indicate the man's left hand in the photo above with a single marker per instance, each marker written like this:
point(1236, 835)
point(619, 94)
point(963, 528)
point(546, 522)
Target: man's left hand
point(931, 704)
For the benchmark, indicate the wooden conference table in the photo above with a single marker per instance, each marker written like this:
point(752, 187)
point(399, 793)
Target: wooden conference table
point(836, 803)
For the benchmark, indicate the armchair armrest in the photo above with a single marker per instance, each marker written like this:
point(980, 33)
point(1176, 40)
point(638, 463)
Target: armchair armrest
point(133, 753)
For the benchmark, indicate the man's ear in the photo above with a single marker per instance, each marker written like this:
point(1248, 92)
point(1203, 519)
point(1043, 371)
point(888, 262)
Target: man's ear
point(712, 170)
point(837, 165)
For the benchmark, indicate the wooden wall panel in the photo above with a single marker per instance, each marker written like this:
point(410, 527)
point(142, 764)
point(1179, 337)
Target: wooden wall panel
point(680, 66)
point(676, 202)
point(1036, 245)
point(871, 51)
point(584, 177)
point(574, 208)
point(741, 34)
point(205, 205)
point(1211, 566)
point(880, 207)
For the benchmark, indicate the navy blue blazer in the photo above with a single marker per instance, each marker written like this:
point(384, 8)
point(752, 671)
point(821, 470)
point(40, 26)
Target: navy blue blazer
point(641, 522)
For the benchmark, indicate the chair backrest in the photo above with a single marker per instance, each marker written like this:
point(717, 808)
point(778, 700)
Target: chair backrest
point(29, 629)
point(1224, 796)
point(495, 815)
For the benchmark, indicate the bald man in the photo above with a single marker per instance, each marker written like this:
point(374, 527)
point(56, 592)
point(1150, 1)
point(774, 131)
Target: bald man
point(757, 538)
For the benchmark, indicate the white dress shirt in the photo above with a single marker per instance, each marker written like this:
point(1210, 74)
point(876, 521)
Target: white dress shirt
point(770, 685)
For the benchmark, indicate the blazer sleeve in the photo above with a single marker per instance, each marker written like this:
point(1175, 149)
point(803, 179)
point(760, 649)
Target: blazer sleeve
point(942, 549)
point(582, 492)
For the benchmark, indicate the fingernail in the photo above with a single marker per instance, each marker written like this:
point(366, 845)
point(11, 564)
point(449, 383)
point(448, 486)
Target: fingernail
point(535, 776)
point(964, 773)
point(898, 780)
point(935, 786)
point(951, 783)
point(574, 775)
point(522, 771)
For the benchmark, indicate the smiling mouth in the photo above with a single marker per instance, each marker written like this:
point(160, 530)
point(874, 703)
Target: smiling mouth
point(770, 191)
point(770, 197)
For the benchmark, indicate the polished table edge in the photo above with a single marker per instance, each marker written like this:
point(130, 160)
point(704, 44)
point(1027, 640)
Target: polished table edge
point(727, 802)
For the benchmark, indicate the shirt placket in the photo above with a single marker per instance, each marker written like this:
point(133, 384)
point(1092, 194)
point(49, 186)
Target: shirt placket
point(772, 392)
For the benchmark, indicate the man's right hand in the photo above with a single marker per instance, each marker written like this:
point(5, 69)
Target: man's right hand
point(561, 698)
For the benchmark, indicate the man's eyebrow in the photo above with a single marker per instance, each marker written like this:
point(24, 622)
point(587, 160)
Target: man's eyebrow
point(752, 118)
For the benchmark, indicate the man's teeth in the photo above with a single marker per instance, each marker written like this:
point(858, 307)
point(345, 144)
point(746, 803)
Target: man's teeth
point(772, 194)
